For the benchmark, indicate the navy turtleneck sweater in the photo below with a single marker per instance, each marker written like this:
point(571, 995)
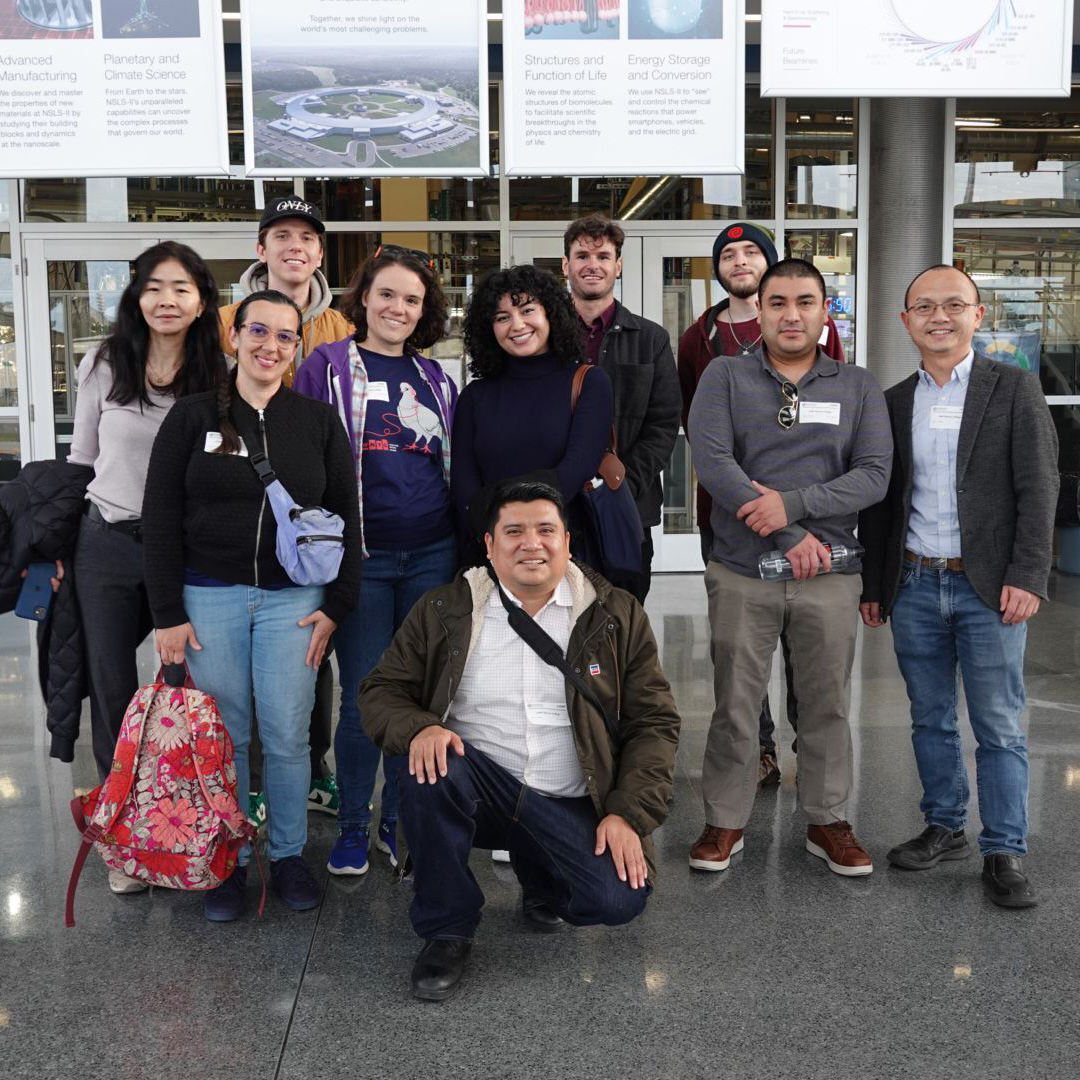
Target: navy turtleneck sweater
point(520, 422)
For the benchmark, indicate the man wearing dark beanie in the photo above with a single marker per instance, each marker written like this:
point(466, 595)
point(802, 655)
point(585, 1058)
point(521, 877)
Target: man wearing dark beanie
point(741, 254)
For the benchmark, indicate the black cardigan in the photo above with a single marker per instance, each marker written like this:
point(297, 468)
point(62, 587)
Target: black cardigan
point(204, 511)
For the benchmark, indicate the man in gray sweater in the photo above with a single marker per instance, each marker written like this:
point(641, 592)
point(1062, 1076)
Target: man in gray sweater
point(958, 555)
point(791, 445)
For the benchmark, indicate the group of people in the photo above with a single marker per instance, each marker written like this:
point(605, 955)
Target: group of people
point(512, 693)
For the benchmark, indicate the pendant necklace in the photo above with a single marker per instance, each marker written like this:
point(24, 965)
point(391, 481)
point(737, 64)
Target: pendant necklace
point(744, 348)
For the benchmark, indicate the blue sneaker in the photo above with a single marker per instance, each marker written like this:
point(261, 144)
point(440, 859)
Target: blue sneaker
point(350, 854)
point(228, 901)
point(294, 883)
point(386, 840)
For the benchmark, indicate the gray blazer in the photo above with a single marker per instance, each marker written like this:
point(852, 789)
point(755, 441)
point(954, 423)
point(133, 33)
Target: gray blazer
point(1006, 487)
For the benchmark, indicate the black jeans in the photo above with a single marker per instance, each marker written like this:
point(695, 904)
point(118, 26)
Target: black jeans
point(766, 725)
point(551, 842)
point(111, 593)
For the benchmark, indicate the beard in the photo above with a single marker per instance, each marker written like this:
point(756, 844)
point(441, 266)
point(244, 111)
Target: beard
point(743, 289)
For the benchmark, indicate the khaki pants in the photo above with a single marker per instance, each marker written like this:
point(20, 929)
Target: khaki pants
point(746, 616)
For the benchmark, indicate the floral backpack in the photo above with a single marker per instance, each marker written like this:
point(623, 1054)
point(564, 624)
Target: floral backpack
point(167, 814)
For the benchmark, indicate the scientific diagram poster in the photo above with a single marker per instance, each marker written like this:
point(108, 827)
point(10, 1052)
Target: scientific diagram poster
point(365, 87)
point(916, 48)
point(623, 87)
point(112, 88)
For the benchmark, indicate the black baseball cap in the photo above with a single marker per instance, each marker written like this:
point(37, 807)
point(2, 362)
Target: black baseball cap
point(292, 206)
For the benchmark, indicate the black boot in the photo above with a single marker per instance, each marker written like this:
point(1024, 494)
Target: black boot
point(541, 916)
point(438, 968)
point(1005, 882)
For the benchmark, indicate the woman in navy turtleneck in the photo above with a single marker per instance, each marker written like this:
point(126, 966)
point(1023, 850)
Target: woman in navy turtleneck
point(524, 341)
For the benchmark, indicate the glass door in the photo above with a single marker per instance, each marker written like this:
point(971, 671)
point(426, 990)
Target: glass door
point(678, 285)
point(71, 304)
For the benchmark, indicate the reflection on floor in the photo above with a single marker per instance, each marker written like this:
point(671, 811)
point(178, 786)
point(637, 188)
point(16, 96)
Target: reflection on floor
point(775, 968)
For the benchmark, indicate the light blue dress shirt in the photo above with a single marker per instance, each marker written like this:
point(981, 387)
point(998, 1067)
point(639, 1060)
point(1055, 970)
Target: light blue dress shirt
point(934, 524)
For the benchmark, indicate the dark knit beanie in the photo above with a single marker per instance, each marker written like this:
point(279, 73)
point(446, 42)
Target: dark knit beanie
point(743, 230)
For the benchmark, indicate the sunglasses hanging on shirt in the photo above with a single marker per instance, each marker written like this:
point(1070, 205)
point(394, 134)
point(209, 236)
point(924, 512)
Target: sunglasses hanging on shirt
point(789, 412)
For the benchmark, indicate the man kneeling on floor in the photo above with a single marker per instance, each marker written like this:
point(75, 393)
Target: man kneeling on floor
point(570, 773)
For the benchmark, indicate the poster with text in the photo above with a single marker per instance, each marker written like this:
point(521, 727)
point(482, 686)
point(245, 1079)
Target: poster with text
point(623, 87)
point(916, 48)
point(112, 88)
point(365, 87)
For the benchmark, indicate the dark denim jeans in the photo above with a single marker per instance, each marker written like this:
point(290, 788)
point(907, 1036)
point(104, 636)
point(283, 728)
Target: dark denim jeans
point(391, 582)
point(551, 843)
point(940, 625)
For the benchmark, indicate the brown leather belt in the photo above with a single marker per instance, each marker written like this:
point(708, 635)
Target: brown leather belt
point(934, 563)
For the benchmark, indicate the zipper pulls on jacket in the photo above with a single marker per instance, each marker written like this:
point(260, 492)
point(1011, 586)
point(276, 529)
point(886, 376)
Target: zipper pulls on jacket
point(262, 505)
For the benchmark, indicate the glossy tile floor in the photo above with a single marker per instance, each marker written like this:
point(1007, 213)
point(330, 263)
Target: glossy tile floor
point(777, 968)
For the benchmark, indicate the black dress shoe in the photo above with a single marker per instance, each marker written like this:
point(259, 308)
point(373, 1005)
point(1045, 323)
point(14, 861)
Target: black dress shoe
point(438, 968)
point(541, 917)
point(1005, 882)
point(934, 844)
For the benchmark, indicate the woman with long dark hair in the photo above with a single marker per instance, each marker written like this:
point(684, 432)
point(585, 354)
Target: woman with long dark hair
point(220, 598)
point(524, 341)
point(397, 407)
point(163, 346)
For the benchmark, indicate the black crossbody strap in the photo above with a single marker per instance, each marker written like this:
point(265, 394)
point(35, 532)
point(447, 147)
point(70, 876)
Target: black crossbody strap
point(541, 643)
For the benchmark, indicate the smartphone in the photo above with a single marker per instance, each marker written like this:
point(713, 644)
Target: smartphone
point(36, 593)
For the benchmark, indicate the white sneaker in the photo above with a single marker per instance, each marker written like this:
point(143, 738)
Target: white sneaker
point(500, 856)
point(121, 883)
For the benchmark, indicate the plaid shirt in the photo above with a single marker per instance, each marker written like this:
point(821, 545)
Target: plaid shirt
point(358, 407)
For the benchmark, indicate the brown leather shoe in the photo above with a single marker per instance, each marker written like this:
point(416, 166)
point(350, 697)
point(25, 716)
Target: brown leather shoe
point(714, 848)
point(768, 773)
point(840, 848)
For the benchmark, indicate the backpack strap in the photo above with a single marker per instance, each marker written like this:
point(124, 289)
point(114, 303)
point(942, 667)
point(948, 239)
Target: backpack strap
point(541, 643)
point(92, 832)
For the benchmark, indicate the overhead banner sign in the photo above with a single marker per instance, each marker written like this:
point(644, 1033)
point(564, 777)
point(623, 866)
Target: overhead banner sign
point(623, 87)
point(916, 48)
point(112, 88)
point(365, 87)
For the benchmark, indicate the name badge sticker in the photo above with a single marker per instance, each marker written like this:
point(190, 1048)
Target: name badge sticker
point(378, 391)
point(213, 441)
point(819, 412)
point(547, 715)
point(946, 417)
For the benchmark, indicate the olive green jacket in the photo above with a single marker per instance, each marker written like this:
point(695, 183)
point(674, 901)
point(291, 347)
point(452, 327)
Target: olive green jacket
point(414, 683)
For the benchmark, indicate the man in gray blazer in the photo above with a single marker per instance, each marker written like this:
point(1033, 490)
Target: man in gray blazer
point(958, 555)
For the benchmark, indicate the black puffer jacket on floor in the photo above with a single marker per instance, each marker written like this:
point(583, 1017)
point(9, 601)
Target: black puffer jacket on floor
point(40, 511)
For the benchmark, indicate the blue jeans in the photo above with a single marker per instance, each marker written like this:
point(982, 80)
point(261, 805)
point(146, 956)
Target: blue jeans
point(251, 644)
point(391, 582)
point(551, 844)
point(940, 624)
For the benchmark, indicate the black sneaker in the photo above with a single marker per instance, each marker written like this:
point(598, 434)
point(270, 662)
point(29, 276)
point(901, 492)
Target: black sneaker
point(229, 900)
point(933, 845)
point(1005, 882)
point(294, 882)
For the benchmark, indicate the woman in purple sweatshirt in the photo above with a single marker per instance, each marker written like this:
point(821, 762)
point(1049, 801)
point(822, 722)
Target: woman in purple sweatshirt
point(397, 407)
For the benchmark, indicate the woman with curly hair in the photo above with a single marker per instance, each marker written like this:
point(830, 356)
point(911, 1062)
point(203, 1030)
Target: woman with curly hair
point(524, 341)
point(397, 407)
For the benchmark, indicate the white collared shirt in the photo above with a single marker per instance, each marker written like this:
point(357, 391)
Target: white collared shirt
point(512, 706)
point(934, 524)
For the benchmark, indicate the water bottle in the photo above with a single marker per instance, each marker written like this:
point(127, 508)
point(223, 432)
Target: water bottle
point(772, 566)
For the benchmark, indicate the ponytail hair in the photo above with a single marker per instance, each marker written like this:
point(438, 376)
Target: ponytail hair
point(230, 437)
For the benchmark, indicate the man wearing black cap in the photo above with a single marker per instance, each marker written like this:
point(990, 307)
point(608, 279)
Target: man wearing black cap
point(290, 251)
point(741, 254)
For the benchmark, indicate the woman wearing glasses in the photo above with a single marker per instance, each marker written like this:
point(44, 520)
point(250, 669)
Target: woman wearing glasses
point(220, 598)
point(162, 346)
point(524, 340)
point(397, 407)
